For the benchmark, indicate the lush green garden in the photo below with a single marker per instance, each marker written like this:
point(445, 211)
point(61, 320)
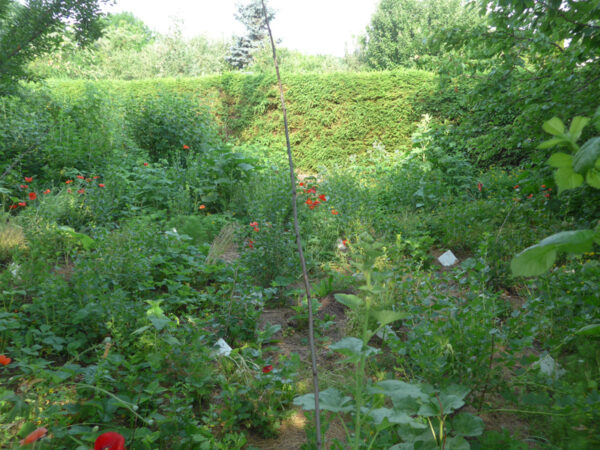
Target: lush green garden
point(150, 281)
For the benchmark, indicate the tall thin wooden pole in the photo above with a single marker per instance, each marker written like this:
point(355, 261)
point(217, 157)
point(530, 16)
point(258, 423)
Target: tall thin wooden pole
point(311, 334)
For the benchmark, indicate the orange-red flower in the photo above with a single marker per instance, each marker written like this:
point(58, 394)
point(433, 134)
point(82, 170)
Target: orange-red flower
point(311, 191)
point(267, 369)
point(28, 179)
point(301, 184)
point(47, 191)
point(32, 196)
point(110, 441)
point(202, 207)
point(23, 186)
point(334, 212)
point(95, 177)
point(479, 186)
point(186, 147)
point(101, 185)
point(309, 201)
point(12, 207)
point(34, 436)
point(68, 181)
point(323, 197)
point(251, 244)
point(5, 360)
point(22, 204)
point(81, 191)
point(145, 164)
point(517, 186)
point(81, 177)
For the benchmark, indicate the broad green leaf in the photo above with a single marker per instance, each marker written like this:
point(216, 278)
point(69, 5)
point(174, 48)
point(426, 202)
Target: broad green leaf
point(457, 443)
point(566, 178)
point(587, 156)
point(554, 126)
point(395, 416)
point(329, 400)
point(560, 159)
point(466, 424)
point(403, 446)
point(592, 177)
point(386, 317)
point(245, 167)
point(577, 125)
point(592, 329)
point(349, 300)
point(552, 142)
point(396, 389)
point(538, 258)
point(353, 347)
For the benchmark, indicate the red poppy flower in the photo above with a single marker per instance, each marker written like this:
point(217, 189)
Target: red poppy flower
point(201, 206)
point(5, 360)
point(32, 196)
point(309, 201)
point(12, 207)
point(543, 186)
point(95, 177)
point(254, 224)
point(81, 177)
point(479, 186)
point(22, 204)
point(256, 229)
point(81, 191)
point(47, 191)
point(251, 244)
point(68, 181)
point(516, 186)
point(301, 184)
point(145, 164)
point(28, 179)
point(110, 441)
point(185, 147)
point(23, 186)
point(101, 185)
point(34, 436)
point(530, 195)
point(267, 369)
point(547, 195)
point(323, 197)
point(334, 212)
point(312, 206)
point(345, 242)
point(316, 202)
point(311, 191)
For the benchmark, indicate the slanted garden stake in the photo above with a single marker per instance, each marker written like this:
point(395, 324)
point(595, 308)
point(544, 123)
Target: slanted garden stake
point(311, 334)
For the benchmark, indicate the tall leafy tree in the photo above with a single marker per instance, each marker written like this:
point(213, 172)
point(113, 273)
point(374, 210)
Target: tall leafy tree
point(36, 27)
point(404, 32)
point(243, 48)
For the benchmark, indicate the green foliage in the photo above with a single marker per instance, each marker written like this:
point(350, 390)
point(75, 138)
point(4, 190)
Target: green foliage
point(402, 33)
point(34, 28)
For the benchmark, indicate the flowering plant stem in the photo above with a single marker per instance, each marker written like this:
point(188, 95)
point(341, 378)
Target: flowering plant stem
point(311, 337)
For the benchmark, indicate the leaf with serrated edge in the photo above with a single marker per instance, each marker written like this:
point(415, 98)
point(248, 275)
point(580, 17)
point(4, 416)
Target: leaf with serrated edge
point(466, 424)
point(554, 126)
point(566, 179)
point(560, 159)
point(552, 143)
point(329, 400)
point(587, 156)
point(592, 177)
point(349, 300)
point(577, 125)
point(538, 258)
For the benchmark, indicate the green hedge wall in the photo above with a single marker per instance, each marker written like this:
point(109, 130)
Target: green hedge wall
point(331, 116)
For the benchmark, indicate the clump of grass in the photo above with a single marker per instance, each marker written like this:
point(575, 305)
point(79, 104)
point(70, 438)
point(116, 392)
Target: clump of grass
point(223, 247)
point(12, 238)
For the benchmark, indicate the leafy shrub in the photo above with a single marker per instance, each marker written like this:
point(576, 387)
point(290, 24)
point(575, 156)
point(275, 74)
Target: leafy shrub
point(167, 125)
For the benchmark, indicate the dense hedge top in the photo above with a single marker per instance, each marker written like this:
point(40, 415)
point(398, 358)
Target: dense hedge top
point(331, 116)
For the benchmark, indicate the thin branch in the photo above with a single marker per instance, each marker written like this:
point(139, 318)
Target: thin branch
point(311, 334)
